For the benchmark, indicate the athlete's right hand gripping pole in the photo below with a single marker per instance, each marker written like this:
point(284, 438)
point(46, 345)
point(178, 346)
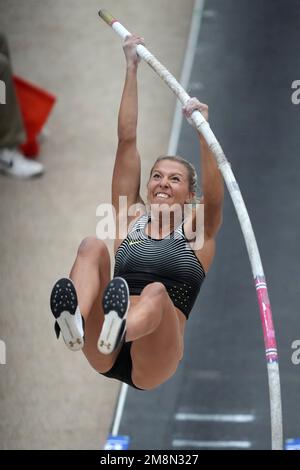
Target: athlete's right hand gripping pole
point(257, 269)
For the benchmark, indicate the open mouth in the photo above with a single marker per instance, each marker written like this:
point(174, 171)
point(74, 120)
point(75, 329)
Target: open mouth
point(161, 195)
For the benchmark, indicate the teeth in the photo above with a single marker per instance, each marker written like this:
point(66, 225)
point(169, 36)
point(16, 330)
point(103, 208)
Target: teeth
point(162, 195)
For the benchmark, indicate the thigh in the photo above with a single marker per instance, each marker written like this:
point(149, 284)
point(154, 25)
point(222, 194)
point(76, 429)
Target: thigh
point(155, 357)
point(93, 325)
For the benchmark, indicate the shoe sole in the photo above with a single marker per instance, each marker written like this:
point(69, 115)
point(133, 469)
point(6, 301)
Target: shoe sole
point(64, 306)
point(115, 304)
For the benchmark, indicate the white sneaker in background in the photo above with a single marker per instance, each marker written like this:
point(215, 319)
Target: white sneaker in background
point(14, 163)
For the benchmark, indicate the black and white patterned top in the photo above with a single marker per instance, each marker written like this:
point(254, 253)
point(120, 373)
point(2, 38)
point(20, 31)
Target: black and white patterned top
point(141, 260)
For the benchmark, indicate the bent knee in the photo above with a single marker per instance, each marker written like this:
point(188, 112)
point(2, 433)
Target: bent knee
point(156, 374)
point(92, 247)
point(155, 289)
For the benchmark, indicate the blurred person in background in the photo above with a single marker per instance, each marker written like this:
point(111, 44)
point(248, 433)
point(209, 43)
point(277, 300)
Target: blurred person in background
point(12, 131)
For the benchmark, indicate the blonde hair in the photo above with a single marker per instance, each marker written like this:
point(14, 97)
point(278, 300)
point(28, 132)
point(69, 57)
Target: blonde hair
point(192, 174)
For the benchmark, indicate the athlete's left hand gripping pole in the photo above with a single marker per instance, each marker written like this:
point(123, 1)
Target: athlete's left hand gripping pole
point(257, 269)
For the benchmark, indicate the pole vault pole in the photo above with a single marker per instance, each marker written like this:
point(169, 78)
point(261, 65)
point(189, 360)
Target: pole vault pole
point(257, 269)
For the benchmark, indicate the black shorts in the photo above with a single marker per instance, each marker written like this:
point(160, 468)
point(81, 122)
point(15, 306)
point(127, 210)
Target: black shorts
point(122, 368)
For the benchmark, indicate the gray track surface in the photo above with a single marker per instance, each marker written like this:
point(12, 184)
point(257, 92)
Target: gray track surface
point(245, 63)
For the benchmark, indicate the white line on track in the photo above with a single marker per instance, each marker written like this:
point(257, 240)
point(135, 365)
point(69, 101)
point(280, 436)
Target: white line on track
point(186, 73)
point(211, 444)
point(222, 418)
point(119, 409)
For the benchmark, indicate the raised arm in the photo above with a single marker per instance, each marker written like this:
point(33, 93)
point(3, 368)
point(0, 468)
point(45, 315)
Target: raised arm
point(211, 178)
point(127, 168)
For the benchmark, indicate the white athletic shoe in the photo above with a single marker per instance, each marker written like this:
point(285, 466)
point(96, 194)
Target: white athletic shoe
point(65, 309)
point(115, 306)
point(14, 164)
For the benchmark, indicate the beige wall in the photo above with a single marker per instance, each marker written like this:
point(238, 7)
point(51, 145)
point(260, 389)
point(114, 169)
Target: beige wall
point(49, 397)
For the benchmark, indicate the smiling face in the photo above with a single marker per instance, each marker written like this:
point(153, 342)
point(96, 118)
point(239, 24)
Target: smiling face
point(169, 184)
